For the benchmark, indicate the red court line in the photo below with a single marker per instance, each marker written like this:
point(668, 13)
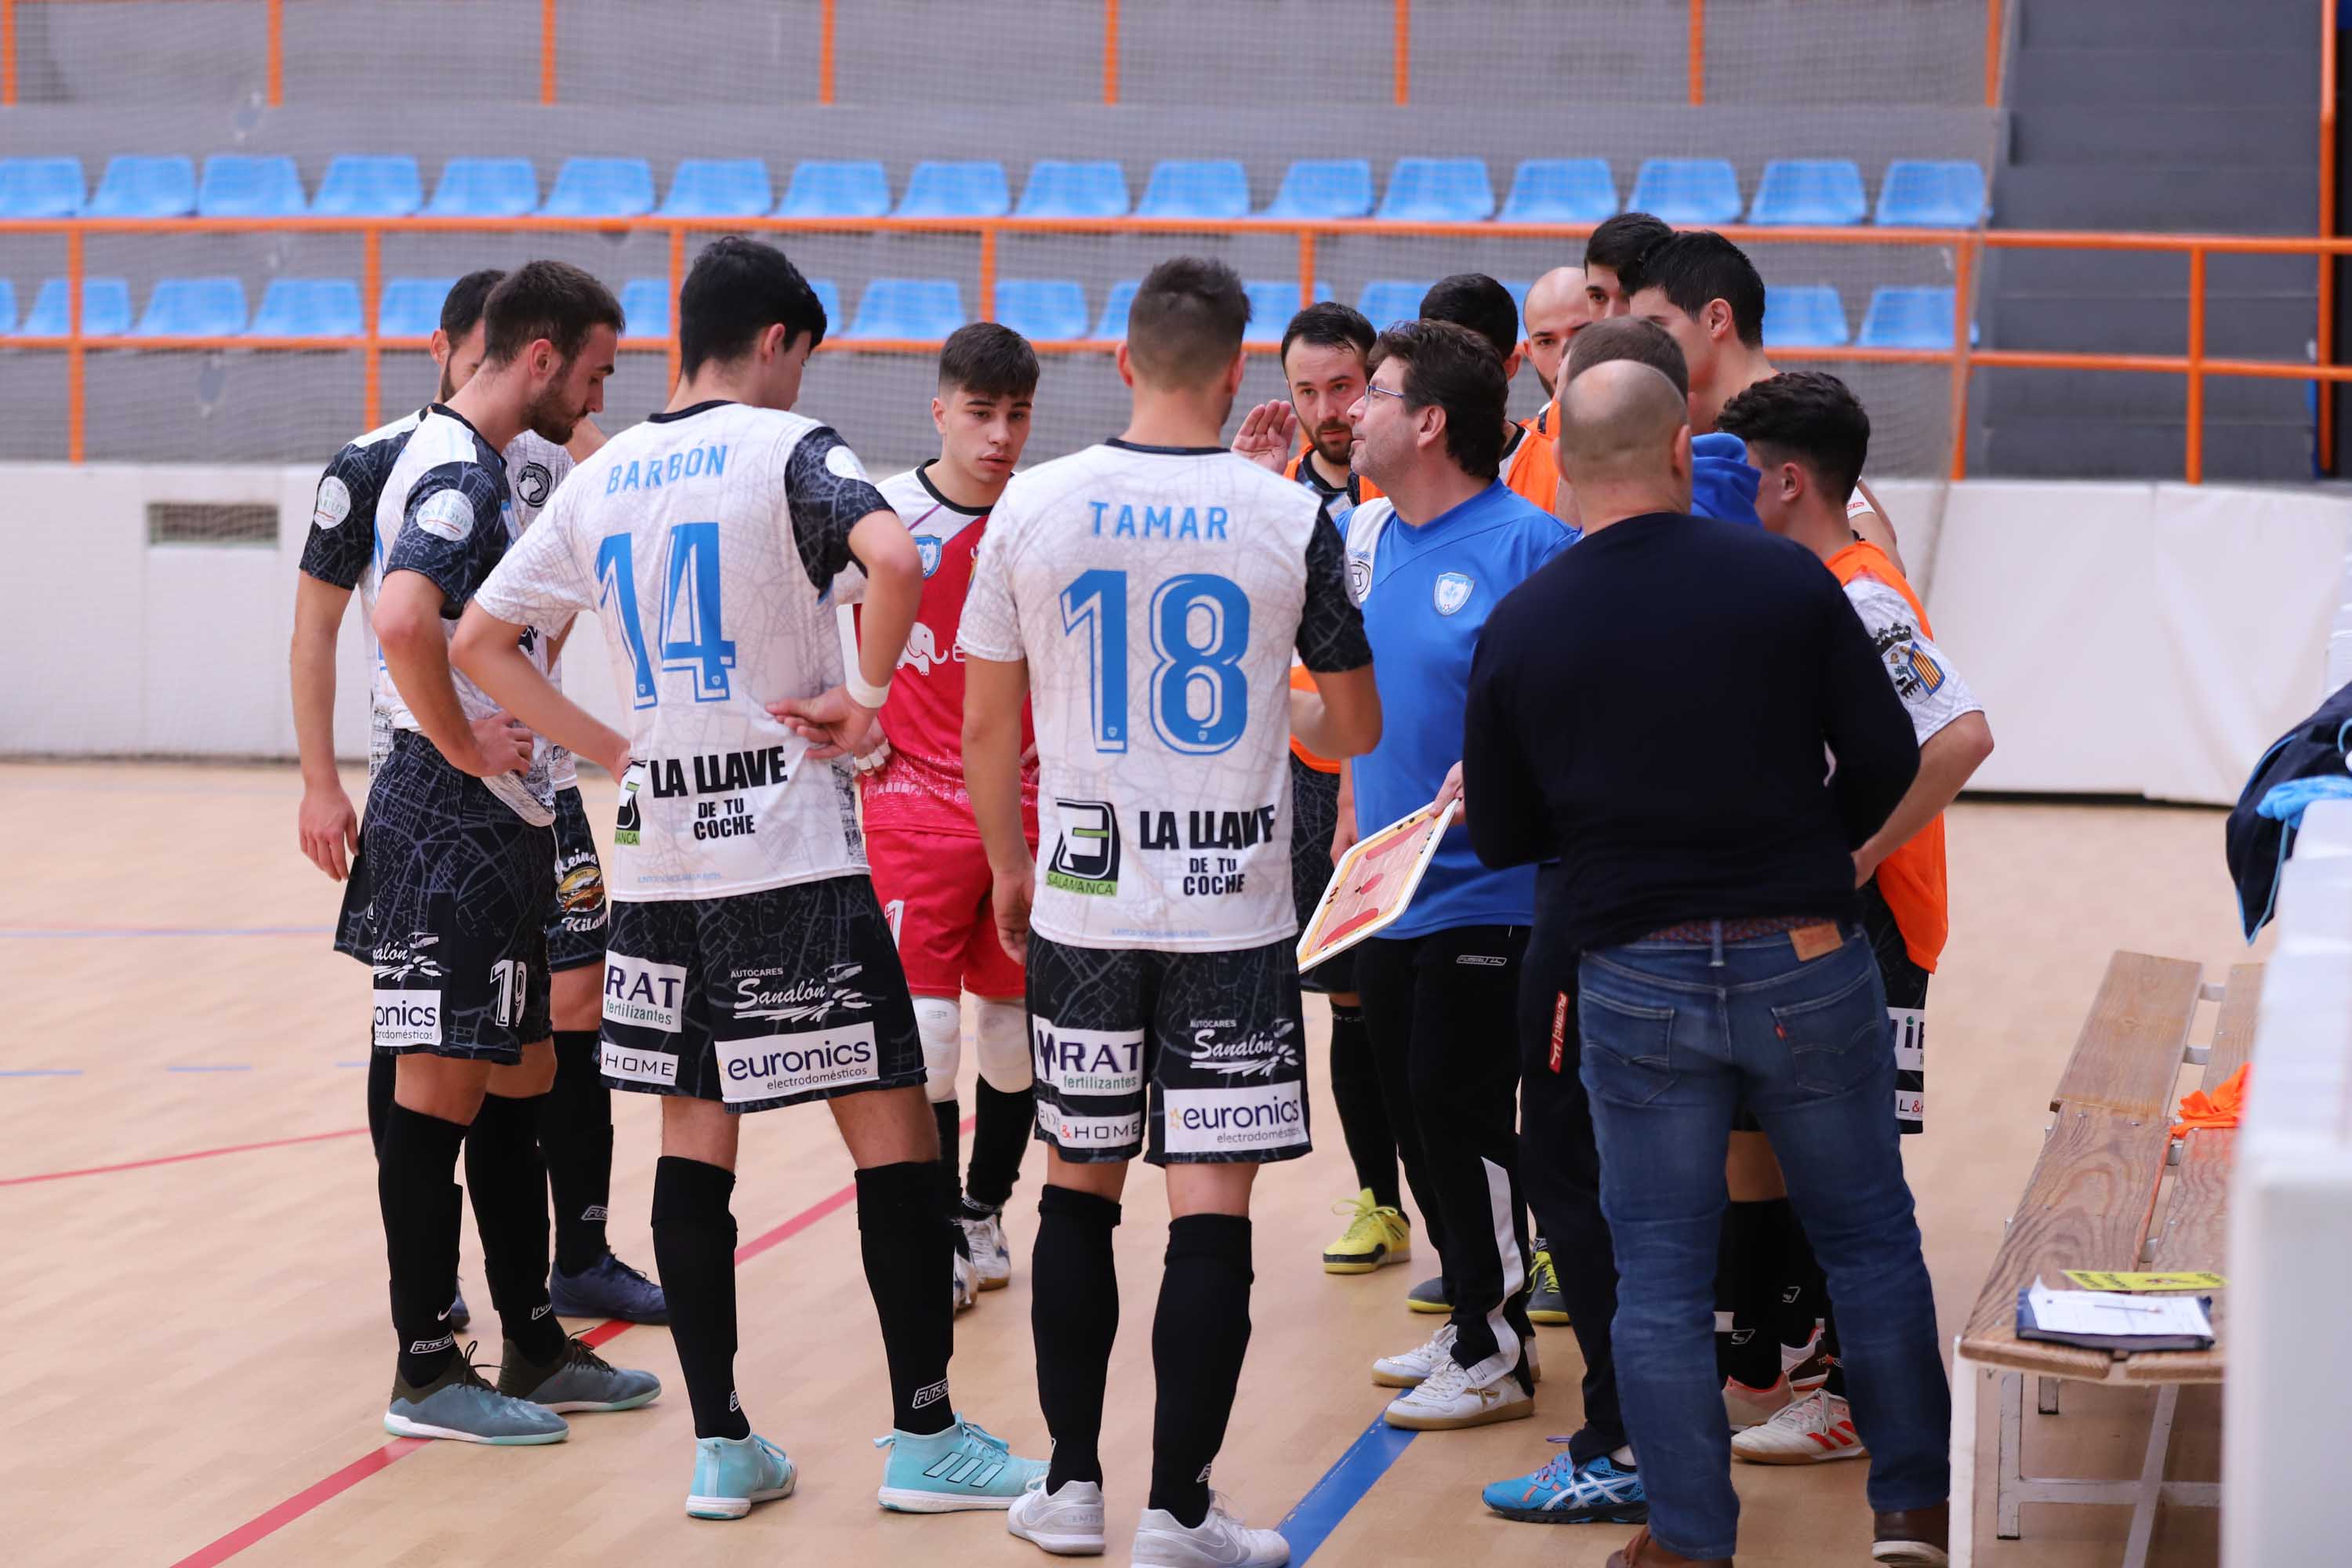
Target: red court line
point(176, 1159)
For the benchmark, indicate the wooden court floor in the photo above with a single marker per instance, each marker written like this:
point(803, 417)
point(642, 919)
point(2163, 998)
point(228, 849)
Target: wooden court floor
point(197, 1356)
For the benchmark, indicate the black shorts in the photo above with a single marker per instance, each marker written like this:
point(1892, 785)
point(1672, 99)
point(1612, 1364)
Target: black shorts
point(1216, 1037)
point(760, 999)
point(459, 896)
point(576, 912)
point(1906, 1008)
point(1314, 815)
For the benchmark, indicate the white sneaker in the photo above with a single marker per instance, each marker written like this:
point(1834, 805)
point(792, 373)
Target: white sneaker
point(1815, 1429)
point(1067, 1523)
point(1222, 1540)
point(966, 1284)
point(1454, 1395)
point(1406, 1371)
point(991, 1260)
point(1745, 1407)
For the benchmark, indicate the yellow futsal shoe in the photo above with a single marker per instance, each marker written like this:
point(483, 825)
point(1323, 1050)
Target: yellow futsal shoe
point(1375, 1237)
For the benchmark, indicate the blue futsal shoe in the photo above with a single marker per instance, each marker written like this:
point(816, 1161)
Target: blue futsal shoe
point(1564, 1492)
point(731, 1473)
point(459, 1405)
point(607, 1288)
point(577, 1379)
point(965, 1467)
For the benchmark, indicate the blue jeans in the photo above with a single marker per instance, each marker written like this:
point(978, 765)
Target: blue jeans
point(1678, 1035)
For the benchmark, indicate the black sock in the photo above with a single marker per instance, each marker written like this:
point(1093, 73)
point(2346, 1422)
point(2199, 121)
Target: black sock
point(1198, 1338)
point(416, 1185)
point(1073, 1314)
point(383, 1076)
point(949, 1114)
point(1363, 1116)
point(1753, 1247)
point(508, 1182)
point(575, 1136)
point(1000, 1136)
point(694, 1247)
point(907, 1242)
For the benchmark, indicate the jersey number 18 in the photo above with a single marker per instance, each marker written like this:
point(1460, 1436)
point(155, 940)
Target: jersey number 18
point(1200, 630)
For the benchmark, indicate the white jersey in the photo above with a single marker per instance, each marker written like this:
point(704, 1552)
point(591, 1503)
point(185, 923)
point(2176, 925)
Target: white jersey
point(709, 542)
point(1156, 593)
point(447, 511)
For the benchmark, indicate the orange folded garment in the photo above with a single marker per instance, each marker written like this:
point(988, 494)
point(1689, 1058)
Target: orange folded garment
point(2220, 1108)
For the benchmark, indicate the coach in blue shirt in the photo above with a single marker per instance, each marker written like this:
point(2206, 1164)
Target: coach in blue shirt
point(1429, 563)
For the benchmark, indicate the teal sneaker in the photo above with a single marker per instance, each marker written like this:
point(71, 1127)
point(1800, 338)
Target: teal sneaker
point(1562, 1492)
point(461, 1405)
point(731, 1473)
point(965, 1467)
point(577, 1379)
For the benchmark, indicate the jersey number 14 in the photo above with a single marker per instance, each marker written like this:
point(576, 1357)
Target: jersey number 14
point(1200, 630)
point(689, 635)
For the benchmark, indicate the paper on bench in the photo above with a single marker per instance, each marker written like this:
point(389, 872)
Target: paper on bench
point(2109, 1314)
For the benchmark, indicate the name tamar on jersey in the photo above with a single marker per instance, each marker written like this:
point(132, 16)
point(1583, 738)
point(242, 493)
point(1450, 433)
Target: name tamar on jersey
point(709, 541)
point(1158, 594)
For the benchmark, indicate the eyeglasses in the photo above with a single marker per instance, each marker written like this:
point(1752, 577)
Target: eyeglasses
point(1374, 389)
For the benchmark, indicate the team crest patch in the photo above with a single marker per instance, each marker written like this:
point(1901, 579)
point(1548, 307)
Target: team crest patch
point(1451, 593)
point(445, 514)
point(1359, 578)
point(1925, 670)
point(533, 483)
point(334, 503)
point(931, 551)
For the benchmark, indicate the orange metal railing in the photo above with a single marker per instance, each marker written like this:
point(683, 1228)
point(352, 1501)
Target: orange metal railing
point(1966, 247)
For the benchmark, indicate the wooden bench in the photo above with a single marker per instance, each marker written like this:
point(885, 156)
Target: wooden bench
point(2098, 1198)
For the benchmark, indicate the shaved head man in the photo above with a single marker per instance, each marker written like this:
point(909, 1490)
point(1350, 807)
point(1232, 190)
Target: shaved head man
point(1556, 311)
point(1624, 443)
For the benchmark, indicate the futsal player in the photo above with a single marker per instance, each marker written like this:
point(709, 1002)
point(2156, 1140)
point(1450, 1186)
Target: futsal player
point(1811, 436)
point(1146, 594)
point(461, 844)
point(750, 966)
point(1556, 311)
point(1616, 245)
point(929, 868)
point(1440, 984)
point(575, 1120)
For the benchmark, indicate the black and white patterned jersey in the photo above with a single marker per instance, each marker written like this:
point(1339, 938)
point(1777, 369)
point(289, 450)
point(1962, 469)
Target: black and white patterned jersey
point(714, 546)
point(1158, 594)
point(447, 513)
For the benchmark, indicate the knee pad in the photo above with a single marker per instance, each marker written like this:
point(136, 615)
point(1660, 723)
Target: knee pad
point(1002, 1035)
point(939, 1022)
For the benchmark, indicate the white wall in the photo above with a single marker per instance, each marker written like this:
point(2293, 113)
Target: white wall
point(2126, 638)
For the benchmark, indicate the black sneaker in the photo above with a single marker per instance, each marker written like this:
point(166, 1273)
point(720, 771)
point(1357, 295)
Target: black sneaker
point(1429, 1296)
point(607, 1288)
point(1546, 1305)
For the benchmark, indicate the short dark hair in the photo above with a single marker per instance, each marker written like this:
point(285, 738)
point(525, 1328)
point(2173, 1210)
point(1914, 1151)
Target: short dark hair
point(1628, 337)
point(1450, 367)
point(1811, 416)
point(1474, 301)
point(462, 306)
point(987, 359)
point(739, 289)
point(1694, 268)
point(1328, 324)
point(1186, 323)
point(1619, 243)
point(550, 299)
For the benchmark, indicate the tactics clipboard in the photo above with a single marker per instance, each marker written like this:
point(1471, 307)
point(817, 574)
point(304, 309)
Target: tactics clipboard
point(1373, 884)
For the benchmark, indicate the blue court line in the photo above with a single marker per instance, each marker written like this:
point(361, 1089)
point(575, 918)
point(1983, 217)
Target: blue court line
point(228, 1066)
point(1343, 1486)
point(107, 933)
point(40, 1072)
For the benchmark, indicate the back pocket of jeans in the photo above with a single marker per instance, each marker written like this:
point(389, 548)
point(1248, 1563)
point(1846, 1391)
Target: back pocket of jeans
point(1628, 1044)
point(1837, 1041)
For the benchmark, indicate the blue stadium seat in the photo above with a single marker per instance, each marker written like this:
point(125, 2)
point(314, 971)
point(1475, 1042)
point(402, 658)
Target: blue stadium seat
point(1560, 190)
point(1805, 316)
point(485, 187)
point(1686, 190)
point(1324, 187)
point(720, 187)
point(1112, 323)
point(411, 306)
point(1273, 301)
point(1919, 193)
point(237, 186)
point(145, 187)
point(358, 186)
point(955, 190)
point(1909, 318)
point(1388, 300)
point(837, 190)
point(1438, 190)
point(602, 187)
point(7, 307)
point(105, 310)
point(1196, 187)
point(924, 309)
point(828, 294)
point(41, 188)
point(194, 308)
point(646, 302)
point(1824, 190)
point(1060, 189)
point(1042, 309)
point(309, 308)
